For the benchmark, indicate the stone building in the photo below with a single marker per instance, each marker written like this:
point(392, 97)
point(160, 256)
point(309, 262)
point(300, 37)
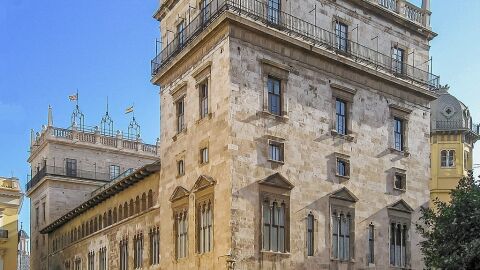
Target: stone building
point(11, 198)
point(69, 164)
point(295, 135)
point(453, 135)
point(23, 256)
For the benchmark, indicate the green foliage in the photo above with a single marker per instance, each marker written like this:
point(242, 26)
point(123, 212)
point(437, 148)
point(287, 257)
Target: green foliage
point(452, 231)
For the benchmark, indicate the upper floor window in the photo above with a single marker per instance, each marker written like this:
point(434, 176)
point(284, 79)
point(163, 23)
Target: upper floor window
point(91, 260)
point(448, 158)
point(204, 10)
point(341, 33)
point(341, 235)
point(203, 99)
point(138, 251)
point(124, 254)
point(400, 181)
point(44, 211)
point(181, 33)
point(180, 104)
point(371, 244)
point(154, 246)
point(102, 258)
point(341, 113)
point(274, 95)
point(465, 160)
point(205, 227)
point(204, 155)
point(180, 167)
point(343, 167)
point(274, 221)
point(275, 151)
point(398, 241)
point(114, 171)
point(310, 235)
point(37, 214)
point(398, 58)
point(71, 167)
point(273, 9)
point(398, 132)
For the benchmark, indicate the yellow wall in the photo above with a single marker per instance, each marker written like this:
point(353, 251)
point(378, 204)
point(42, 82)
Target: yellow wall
point(10, 202)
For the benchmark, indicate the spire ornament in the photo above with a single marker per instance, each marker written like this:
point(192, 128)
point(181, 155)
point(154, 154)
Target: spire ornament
point(106, 125)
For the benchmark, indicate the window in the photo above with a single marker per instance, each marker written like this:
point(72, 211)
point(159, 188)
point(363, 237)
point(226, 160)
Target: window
point(204, 11)
point(180, 115)
point(343, 167)
point(180, 167)
point(341, 113)
point(341, 236)
point(400, 181)
point(44, 211)
point(465, 160)
point(154, 246)
point(398, 250)
point(102, 259)
point(274, 221)
point(341, 33)
point(204, 155)
point(124, 254)
point(371, 244)
point(310, 235)
point(273, 11)
point(77, 264)
point(181, 234)
point(398, 56)
point(91, 260)
point(37, 214)
point(398, 133)
point(274, 95)
point(448, 158)
point(138, 251)
point(71, 167)
point(114, 171)
point(181, 33)
point(275, 151)
point(205, 229)
point(203, 99)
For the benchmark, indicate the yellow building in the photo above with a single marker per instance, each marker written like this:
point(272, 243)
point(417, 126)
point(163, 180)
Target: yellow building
point(452, 137)
point(10, 204)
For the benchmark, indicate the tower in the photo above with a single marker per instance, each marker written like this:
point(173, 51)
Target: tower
point(68, 164)
point(23, 262)
point(452, 138)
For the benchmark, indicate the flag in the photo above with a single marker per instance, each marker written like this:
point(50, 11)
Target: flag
point(129, 110)
point(73, 97)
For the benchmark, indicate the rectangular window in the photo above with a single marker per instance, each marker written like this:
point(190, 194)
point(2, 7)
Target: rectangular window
point(343, 168)
point(274, 221)
point(371, 244)
point(37, 214)
point(124, 254)
point(154, 246)
point(400, 181)
point(398, 133)
point(203, 99)
point(341, 237)
point(180, 115)
point(181, 33)
point(102, 259)
point(205, 229)
point(273, 9)
point(181, 234)
point(91, 260)
point(341, 113)
point(204, 11)
point(275, 151)
point(310, 235)
point(78, 264)
point(341, 33)
point(398, 250)
point(114, 171)
point(204, 155)
point(398, 56)
point(71, 167)
point(138, 251)
point(180, 167)
point(274, 95)
point(448, 158)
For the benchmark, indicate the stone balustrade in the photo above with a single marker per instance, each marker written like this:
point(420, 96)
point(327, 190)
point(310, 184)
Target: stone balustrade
point(9, 183)
point(407, 10)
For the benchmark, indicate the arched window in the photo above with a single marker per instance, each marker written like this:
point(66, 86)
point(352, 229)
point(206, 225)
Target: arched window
point(95, 224)
point(105, 222)
point(150, 198)
point(91, 226)
point(144, 202)
point(310, 234)
point(125, 210)
point(137, 205)
point(120, 212)
point(82, 234)
point(115, 215)
point(447, 158)
point(100, 222)
point(109, 217)
point(132, 211)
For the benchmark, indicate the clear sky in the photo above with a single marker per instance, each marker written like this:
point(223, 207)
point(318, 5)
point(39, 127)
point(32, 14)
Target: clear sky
point(49, 49)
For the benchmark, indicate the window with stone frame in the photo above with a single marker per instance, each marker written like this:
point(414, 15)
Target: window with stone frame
point(138, 251)
point(342, 166)
point(77, 265)
point(114, 171)
point(180, 167)
point(275, 77)
point(180, 108)
point(91, 260)
point(154, 245)
point(181, 33)
point(399, 179)
point(276, 150)
point(398, 60)
point(275, 209)
point(342, 100)
point(400, 215)
point(342, 207)
point(204, 155)
point(341, 35)
point(203, 98)
point(71, 167)
point(179, 200)
point(273, 11)
point(102, 258)
point(466, 160)
point(371, 244)
point(399, 118)
point(310, 234)
point(123, 254)
point(447, 158)
point(204, 229)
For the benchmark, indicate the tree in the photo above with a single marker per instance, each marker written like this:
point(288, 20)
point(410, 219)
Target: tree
point(451, 231)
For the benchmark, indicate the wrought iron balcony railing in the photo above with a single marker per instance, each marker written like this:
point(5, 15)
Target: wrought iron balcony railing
point(63, 172)
point(456, 125)
point(295, 27)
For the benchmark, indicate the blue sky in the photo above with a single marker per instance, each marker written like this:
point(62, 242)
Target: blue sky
point(48, 49)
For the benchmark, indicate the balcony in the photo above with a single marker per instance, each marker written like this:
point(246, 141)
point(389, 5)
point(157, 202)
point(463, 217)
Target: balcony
point(63, 172)
point(451, 125)
point(297, 28)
